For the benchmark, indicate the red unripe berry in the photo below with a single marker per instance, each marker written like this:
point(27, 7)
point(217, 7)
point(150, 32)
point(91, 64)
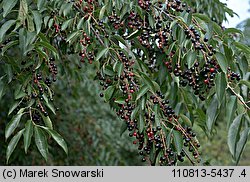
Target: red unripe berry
point(212, 70)
point(206, 81)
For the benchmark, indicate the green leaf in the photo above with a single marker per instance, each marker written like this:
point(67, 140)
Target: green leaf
point(41, 142)
point(241, 144)
point(12, 125)
point(2, 87)
point(202, 17)
point(148, 81)
point(247, 83)
point(233, 31)
point(48, 122)
point(191, 57)
point(143, 90)
point(5, 27)
point(242, 47)
point(157, 116)
point(233, 133)
point(212, 114)
point(178, 141)
point(186, 120)
point(47, 46)
point(72, 36)
point(67, 23)
point(9, 45)
point(23, 12)
point(31, 27)
point(133, 35)
point(14, 106)
point(101, 53)
point(134, 112)
point(27, 135)
point(120, 101)
point(13, 143)
point(51, 107)
point(222, 61)
point(221, 85)
point(102, 11)
point(119, 38)
point(8, 5)
point(123, 128)
point(141, 123)
point(230, 109)
point(109, 92)
point(58, 138)
point(40, 4)
point(38, 20)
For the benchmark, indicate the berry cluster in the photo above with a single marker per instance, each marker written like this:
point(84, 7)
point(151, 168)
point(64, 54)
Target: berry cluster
point(145, 4)
point(115, 20)
point(232, 75)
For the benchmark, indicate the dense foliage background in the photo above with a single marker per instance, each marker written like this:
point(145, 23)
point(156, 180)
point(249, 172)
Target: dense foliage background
point(91, 129)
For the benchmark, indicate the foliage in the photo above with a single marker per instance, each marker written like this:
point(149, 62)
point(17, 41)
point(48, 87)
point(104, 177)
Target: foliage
point(163, 68)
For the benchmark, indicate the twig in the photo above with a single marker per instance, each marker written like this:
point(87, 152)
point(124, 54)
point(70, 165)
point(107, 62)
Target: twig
point(239, 97)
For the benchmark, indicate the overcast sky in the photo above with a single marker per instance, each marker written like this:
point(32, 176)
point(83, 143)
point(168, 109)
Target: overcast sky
point(241, 7)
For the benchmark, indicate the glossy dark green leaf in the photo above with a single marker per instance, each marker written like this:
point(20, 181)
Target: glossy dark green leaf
point(134, 113)
point(221, 85)
point(141, 123)
point(9, 45)
point(191, 57)
point(178, 141)
point(23, 12)
point(28, 133)
point(58, 138)
point(231, 109)
point(233, 134)
point(123, 128)
point(40, 4)
point(47, 122)
point(212, 113)
point(244, 82)
point(41, 142)
point(71, 37)
point(5, 27)
point(109, 92)
point(47, 45)
point(66, 24)
point(222, 61)
point(148, 81)
point(30, 22)
point(157, 115)
point(102, 11)
point(2, 87)
point(38, 20)
point(120, 101)
point(186, 120)
point(14, 106)
point(13, 143)
point(101, 53)
point(233, 31)
point(12, 125)
point(241, 144)
point(120, 39)
point(8, 5)
point(202, 17)
point(143, 90)
point(51, 107)
point(133, 35)
point(242, 47)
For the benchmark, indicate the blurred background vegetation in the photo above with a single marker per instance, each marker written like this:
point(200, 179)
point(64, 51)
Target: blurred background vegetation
point(92, 130)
